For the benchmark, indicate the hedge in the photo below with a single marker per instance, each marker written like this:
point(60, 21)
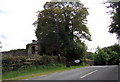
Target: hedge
point(11, 63)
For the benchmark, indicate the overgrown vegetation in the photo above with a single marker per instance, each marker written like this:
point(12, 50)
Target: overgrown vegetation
point(107, 56)
point(34, 71)
point(15, 66)
point(12, 63)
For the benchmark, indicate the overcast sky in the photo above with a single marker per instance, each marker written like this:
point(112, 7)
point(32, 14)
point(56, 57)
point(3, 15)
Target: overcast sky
point(17, 16)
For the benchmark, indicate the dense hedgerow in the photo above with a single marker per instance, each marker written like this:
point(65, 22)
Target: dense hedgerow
point(11, 63)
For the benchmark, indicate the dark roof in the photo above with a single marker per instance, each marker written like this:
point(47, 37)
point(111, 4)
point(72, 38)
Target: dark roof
point(33, 42)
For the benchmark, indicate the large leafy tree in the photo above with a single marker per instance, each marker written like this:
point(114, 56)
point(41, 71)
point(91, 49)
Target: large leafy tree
point(61, 26)
point(115, 22)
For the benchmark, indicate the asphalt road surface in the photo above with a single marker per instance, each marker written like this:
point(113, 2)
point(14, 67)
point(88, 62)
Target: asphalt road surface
point(86, 73)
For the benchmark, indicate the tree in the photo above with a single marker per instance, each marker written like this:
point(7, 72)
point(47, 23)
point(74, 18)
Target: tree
point(60, 26)
point(75, 51)
point(100, 57)
point(107, 55)
point(115, 23)
point(114, 54)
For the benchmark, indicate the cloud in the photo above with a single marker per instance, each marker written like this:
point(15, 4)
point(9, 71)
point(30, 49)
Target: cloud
point(2, 12)
point(2, 36)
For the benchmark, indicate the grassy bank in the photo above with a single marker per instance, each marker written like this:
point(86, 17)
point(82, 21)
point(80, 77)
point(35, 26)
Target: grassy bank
point(37, 71)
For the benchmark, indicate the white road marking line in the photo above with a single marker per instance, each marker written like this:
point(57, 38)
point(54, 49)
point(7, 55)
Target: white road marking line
point(88, 74)
point(26, 79)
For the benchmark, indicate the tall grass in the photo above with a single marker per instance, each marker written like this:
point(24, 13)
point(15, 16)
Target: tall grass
point(31, 70)
point(37, 71)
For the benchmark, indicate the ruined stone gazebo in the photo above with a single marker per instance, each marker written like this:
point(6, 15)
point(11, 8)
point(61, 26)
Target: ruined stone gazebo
point(32, 48)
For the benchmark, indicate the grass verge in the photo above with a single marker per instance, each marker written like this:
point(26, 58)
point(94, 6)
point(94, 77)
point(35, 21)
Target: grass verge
point(35, 71)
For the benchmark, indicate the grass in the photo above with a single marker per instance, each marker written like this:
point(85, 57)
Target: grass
point(0, 77)
point(35, 71)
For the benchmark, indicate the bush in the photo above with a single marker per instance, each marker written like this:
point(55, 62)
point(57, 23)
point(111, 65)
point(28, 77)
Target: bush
point(100, 57)
point(107, 56)
point(46, 59)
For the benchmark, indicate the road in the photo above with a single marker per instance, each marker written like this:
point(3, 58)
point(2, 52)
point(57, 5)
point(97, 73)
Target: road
point(86, 73)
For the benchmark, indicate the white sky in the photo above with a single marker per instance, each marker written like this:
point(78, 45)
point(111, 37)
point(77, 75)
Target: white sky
point(17, 16)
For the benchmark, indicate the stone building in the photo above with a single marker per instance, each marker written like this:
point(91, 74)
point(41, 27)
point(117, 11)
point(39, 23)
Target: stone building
point(32, 48)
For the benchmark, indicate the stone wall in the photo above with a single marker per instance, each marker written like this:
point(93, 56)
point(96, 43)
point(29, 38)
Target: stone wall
point(17, 52)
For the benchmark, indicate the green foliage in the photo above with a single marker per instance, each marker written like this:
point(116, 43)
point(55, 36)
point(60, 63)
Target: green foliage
point(115, 25)
point(61, 26)
point(100, 57)
point(89, 55)
point(42, 69)
point(114, 53)
point(74, 51)
point(37, 71)
point(107, 56)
